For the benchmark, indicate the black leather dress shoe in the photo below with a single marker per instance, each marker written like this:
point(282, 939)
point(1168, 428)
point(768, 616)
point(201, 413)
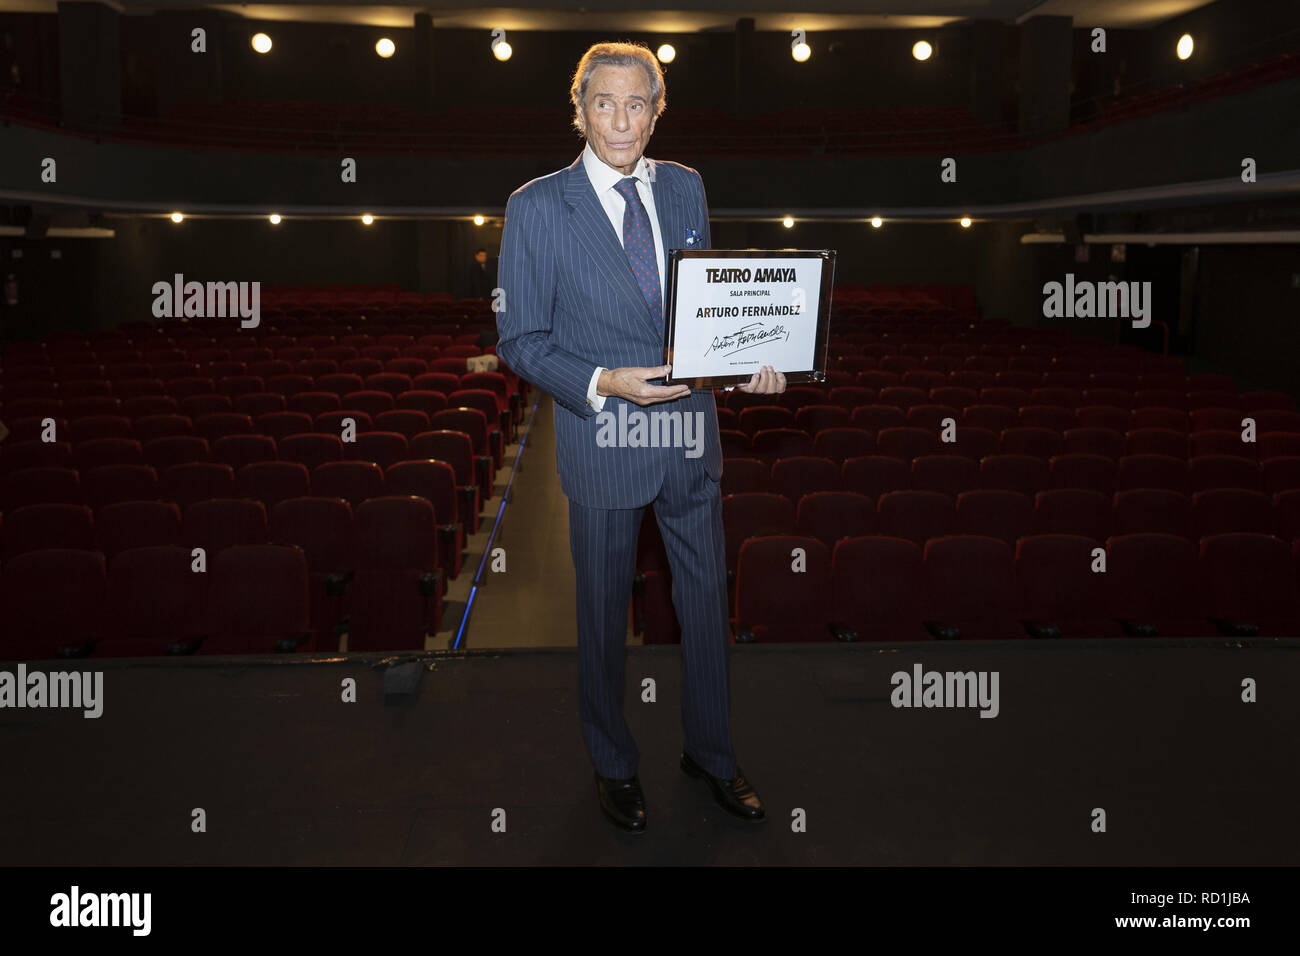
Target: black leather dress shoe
point(622, 801)
point(730, 794)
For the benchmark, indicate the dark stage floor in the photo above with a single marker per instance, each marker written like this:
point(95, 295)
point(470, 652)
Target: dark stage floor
point(1153, 732)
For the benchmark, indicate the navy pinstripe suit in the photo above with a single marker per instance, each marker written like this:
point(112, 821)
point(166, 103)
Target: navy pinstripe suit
point(572, 303)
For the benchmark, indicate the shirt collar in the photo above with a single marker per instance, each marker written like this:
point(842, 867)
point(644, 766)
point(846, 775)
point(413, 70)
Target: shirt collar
point(603, 176)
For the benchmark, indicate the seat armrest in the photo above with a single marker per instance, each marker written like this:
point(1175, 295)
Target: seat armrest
point(287, 645)
point(742, 633)
point(1235, 628)
point(941, 631)
point(1042, 629)
point(842, 632)
point(336, 584)
point(430, 583)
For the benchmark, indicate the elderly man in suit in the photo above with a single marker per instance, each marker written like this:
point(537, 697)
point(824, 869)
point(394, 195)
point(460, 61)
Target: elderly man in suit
point(582, 270)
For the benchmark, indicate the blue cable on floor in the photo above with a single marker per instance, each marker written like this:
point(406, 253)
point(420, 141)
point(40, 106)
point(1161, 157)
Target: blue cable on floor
point(487, 549)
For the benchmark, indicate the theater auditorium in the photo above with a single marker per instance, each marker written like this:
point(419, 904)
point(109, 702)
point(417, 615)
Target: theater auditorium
point(1012, 574)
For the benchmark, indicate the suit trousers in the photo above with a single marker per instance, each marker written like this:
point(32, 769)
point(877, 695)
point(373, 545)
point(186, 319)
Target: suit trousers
point(604, 543)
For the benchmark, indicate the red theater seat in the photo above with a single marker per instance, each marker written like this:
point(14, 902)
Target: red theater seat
point(972, 590)
point(435, 481)
point(951, 474)
point(1063, 596)
point(916, 516)
point(456, 449)
point(54, 600)
point(33, 527)
point(271, 482)
point(1252, 584)
point(259, 600)
point(751, 516)
point(40, 485)
point(1074, 511)
point(240, 450)
point(157, 602)
point(830, 516)
point(1005, 515)
point(221, 523)
point(323, 529)
point(396, 596)
point(1157, 586)
point(799, 476)
point(136, 524)
point(353, 481)
point(775, 602)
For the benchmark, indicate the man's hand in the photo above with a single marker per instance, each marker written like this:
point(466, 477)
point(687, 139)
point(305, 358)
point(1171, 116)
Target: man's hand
point(766, 381)
point(632, 384)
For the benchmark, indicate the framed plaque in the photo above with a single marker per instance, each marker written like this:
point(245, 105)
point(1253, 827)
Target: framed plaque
point(732, 311)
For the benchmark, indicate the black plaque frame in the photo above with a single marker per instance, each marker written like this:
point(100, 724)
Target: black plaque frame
point(792, 376)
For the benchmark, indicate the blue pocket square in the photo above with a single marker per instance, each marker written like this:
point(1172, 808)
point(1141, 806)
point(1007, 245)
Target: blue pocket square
point(692, 237)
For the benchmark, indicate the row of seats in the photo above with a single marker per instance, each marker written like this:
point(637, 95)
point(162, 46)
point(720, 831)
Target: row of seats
point(243, 349)
point(875, 475)
point(234, 514)
point(1008, 515)
point(968, 387)
point(378, 569)
point(976, 587)
point(189, 382)
point(155, 416)
point(68, 377)
point(116, 439)
point(224, 334)
point(845, 407)
point(974, 442)
point(456, 500)
point(841, 469)
point(921, 516)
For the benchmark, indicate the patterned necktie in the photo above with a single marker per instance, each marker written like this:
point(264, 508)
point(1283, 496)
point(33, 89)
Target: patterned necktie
point(639, 244)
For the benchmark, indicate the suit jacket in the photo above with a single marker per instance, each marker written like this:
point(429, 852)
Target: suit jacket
point(572, 303)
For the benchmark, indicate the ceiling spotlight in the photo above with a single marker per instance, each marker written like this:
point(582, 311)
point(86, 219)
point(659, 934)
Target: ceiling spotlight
point(922, 50)
point(965, 222)
point(666, 53)
point(502, 50)
point(801, 52)
point(275, 218)
point(1185, 46)
point(177, 217)
point(479, 220)
point(385, 47)
point(367, 219)
point(787, 222)
point(261, 43)
point(877, 222)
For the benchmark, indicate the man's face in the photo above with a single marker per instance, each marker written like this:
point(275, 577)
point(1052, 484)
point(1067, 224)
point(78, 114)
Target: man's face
point(481, 257)
point(618, 116)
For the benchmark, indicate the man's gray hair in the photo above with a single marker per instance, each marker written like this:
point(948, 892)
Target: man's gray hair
point(616, 54)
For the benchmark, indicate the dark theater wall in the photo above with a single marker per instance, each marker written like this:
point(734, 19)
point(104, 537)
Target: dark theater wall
point(426, 256)
point(432, 256)
point(1247, 313)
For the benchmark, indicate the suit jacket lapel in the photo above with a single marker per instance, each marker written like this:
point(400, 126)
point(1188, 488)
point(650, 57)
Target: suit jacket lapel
point(596, 235)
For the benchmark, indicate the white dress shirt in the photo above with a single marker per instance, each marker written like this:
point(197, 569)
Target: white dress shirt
point(603, 177)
